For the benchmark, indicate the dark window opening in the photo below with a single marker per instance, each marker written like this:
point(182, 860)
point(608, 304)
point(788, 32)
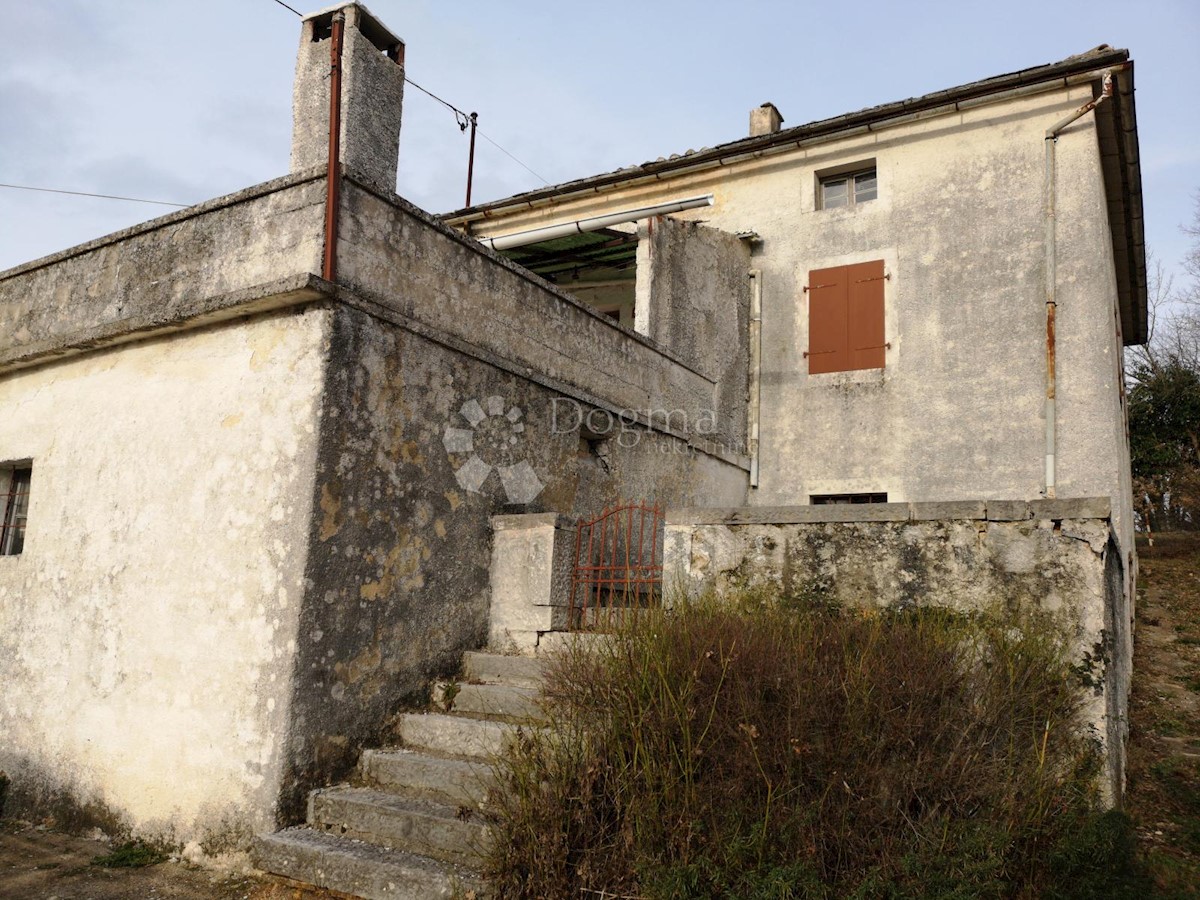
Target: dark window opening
point(14, 484)
point(839, 499)
point(597, 267)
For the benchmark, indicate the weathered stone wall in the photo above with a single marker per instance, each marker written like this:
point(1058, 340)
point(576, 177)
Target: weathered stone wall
point(1060, 556)
point(416, 442)
point(148, 630)
point(694, 299)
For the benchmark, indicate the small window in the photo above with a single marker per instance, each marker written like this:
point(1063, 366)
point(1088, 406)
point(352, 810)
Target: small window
point(14, 497)
point(848, 189)
point(839, 499)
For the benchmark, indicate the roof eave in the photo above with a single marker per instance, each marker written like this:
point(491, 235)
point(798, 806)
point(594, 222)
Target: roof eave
point(1116, 127)
point(861, 119)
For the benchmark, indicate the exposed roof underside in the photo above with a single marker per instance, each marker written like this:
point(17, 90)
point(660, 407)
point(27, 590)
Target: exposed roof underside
point(606, 248)
point(1116, 124)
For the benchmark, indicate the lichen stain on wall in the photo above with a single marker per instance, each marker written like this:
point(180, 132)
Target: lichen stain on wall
point(331, 507)
point(146, 633)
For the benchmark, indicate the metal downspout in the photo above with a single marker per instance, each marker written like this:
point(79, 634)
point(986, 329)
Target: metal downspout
point(333, 172)
point(755, 371)
point(1051, 139)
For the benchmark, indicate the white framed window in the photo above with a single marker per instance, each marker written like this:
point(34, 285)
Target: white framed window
point(15, 482)
point(844, 189)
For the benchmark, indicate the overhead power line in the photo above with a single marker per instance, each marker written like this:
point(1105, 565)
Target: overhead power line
point(26, 187)
point(513, 158)
point(292, 8)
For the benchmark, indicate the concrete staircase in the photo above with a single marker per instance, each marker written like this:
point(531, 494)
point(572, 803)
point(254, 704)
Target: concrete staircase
point(410, 825)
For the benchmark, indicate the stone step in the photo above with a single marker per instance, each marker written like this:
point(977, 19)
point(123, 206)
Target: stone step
point(453, 735)
point(522, 671)
point(503, 700)
point(360, 869)
point(551, 642)
point(456, 782)
point(363, 814)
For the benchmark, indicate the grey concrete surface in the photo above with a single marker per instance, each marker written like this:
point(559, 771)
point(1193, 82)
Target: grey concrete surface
point(363, 814)
point(361, 869)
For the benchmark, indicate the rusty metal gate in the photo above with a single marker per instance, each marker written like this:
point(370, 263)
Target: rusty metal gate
point(618, 565)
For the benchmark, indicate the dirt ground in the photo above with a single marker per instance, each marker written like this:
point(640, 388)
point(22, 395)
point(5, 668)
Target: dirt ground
point(1163, 796)
point(38, 863)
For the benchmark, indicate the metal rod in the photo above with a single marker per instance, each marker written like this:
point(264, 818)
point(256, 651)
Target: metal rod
point(471, 156)
point(333, 174)
point(1051, 286)
point(754, 406)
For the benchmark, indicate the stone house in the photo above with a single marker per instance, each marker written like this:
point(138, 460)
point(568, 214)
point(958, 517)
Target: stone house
point(251, 451)
point(940, 291)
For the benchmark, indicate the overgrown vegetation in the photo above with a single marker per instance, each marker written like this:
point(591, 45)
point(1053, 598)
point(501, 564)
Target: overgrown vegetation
point(130, 855)
point(744, 749)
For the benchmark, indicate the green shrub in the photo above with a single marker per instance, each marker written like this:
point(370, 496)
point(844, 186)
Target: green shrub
point(130, 855)
point(744, 749)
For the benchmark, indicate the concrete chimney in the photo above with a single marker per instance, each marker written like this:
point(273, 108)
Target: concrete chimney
point(372, 95)
point(765, 120)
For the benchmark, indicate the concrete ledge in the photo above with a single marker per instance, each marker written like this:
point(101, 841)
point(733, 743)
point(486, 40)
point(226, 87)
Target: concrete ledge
point(1007, 510)
point(530, 578)
point(517, 521)
point(950, 509)
point(954, 510)
point(293, 290)
point(1072, 508)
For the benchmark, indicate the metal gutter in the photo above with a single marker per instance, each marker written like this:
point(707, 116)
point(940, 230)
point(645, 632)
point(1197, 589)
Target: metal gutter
point(595, 223)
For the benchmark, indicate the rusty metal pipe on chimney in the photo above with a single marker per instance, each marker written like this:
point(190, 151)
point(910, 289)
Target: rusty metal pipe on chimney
point(1051, 287)
point(333, 170)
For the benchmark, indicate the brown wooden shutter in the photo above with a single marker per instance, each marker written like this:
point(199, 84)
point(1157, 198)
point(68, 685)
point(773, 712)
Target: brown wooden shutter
point(865, 315)
point(828, 323)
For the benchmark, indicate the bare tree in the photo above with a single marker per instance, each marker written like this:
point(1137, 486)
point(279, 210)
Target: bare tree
point(1163, 379)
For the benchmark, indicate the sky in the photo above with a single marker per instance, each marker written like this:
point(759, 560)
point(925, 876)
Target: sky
point(182, 101)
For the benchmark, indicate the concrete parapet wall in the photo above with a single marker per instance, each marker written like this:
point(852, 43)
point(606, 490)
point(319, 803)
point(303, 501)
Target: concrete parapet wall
point(400, 257)
point(1061, 556)
point(176, 269)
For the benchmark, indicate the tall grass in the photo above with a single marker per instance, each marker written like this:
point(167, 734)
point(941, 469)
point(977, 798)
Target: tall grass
point(746, 749)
